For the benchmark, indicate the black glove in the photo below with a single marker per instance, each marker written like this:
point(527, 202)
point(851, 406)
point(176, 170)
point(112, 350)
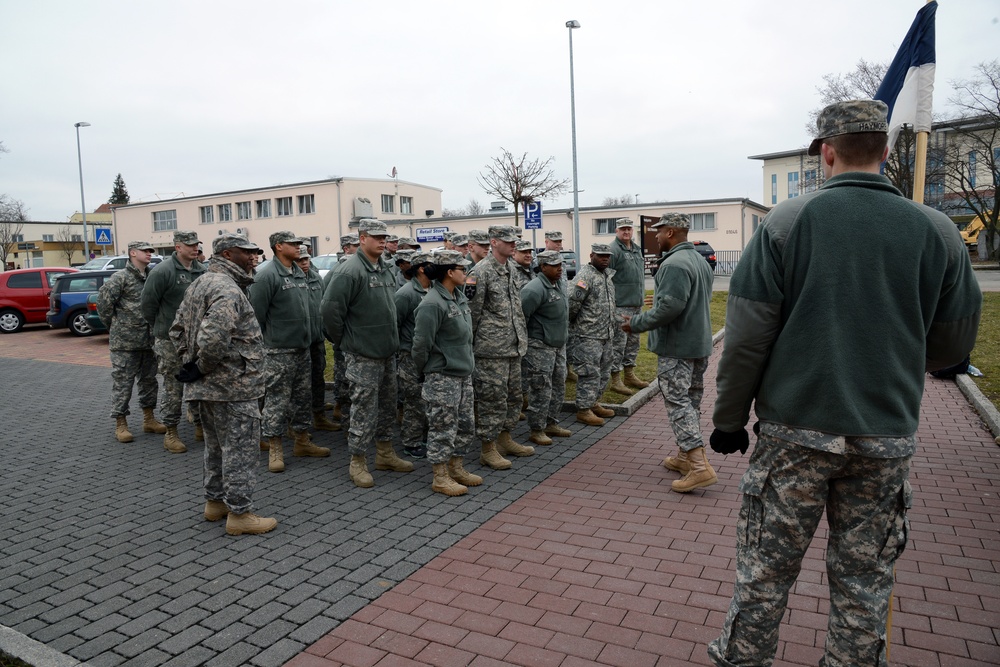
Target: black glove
point(756, 429)
point(727, 443)
point(189, 372)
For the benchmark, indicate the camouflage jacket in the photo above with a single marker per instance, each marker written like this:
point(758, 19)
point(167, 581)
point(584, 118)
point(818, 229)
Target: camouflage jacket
point(165, 286)
point(498, 325)
point(522, 276)
point(119, 305)
point(592, 311)
point(216, 326)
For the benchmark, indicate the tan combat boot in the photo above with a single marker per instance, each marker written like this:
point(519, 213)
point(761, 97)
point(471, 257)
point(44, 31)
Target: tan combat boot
point(443, 483)
point(199, 433)
point(678, 463)
point(249, 524)
point(149, 423)
point(122, 434)
point(172, 442)
point(460, 474)
point(386, 459)
point(602, 411)
point(275, 455)
point(632, 380)
point(588, 417)
point(491, 457)
point(359, 472)
point(571, 375)
point(506, 445)
point(557, 431)
point(304, 446)
point(540, 438)
point(616, 385)
point(337, 414)
point(321, 423)
point(215, 510)
point(264, 446)
point(700, 475)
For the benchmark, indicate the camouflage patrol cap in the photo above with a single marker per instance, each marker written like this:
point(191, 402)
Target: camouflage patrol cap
point(551, 257)
point(479, 236)
point(404, 257)
point(187, 238)
point(141, 245)
point(349, 239)
point(848, 118)
point(228, 241)
point(408, 240)
point(448, 236)
point(623, 222)
point(554, 236)
point(678, 220)
point(600, 249)
point(450, 258)
point(418, 258)
point(304, 251)
point(519, 231)
point(284, 236)
point(460, 240)
point(503, 233)
point(372, 227)
point(391, 238)
point(523, 245)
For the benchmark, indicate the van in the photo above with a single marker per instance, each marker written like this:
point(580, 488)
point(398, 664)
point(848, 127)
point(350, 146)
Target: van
point(24, 296)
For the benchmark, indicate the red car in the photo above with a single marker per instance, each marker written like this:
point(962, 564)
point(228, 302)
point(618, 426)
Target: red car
point(24, 296)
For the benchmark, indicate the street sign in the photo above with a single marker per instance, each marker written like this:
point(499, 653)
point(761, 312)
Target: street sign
point(533, 215)
point(102, 236)
point(430, 234)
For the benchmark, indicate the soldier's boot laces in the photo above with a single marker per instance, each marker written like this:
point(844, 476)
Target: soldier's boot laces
point(249, 524)
point(149, 423)
point(359, 472)
point(458, 473)
point(632, 380)
point(506, 445)
point(386, 458)
point(304, 446)
point(443, 483)
point(491, 457)
point(588, 417)
point(172, 442)
point(679, 463)
point(215, 510)
point(617, 386)
point(122, 434)
point(322, 423)
point(602, 411)
point(700, 475)
point(540, 438)
point(557, 431)
point(275, 455)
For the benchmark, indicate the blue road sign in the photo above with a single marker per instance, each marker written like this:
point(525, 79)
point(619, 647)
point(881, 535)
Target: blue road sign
point(533, 215)
point(430, 234)
point(102, 236)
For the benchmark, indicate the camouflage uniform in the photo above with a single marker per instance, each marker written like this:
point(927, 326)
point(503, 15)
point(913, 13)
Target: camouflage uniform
point(545, 362)
point(450, 416)
point(591, 329)
point(500, 340)
point(317, 348)
point(413, 429)
point(130, 340)
point(216, 327)
point(630, 272)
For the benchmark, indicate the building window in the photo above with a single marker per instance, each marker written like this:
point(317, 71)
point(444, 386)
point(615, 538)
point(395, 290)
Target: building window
point(774, 189)
point(164, 220)
point(756, 222)
point(17, 238)
point(809, 176)
point(307, 204)
point(793, 184)
point(243, 210)
point(406, 205)
point(48, 238)
point(206, 215)
point(703, 222)
point(225, 212)
point(387, 204)
point(972, 169)
point(76, 238)
point(996, 167)
point(284, 206)
point(604, 225)
point(263, 208)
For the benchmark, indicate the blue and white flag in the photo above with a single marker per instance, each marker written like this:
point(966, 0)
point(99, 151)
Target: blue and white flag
point(908, 86)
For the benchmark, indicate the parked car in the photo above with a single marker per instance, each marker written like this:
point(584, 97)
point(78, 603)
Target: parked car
point(570, 263)
point(706, 251)
point(117, 262)
point(323, 263)
point(94, 320)
point(68, 300)
point(24, 296)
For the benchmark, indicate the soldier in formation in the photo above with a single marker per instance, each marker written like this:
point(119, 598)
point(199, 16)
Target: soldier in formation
point(413, 422)
point(317, 346)
point(630, 291)
point(479, 246)
point(592, 321)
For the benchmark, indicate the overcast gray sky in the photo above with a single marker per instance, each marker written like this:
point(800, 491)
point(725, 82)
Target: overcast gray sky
point(197, 97)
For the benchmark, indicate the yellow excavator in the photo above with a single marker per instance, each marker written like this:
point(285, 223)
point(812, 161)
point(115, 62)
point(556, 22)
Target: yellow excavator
point(970, 232)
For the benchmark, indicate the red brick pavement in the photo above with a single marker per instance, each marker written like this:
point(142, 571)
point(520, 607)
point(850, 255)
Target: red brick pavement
point(603, 564)
point(44, 344)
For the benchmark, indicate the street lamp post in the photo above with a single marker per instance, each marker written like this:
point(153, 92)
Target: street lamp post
point(572, 106)
point(83, 205)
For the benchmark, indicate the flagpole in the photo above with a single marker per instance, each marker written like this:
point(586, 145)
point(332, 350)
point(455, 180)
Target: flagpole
point(920, 172)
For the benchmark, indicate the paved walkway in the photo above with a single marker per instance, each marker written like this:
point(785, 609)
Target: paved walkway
point(580, 555)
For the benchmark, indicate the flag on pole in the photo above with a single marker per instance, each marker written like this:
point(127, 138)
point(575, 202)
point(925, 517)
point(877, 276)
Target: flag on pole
point(908, 86)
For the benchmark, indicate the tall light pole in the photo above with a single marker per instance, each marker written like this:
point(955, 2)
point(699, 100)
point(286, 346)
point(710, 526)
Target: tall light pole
point(83, 205)
point(572, 111)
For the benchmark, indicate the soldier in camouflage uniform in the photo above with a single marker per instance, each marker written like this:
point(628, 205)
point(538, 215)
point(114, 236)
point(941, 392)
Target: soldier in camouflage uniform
point(317, 348)
point(460, 244)
point(521, 263)
point(630, 291)
point(219, 341)
point(442, 353)
point(342, 407)
point(280, 297)
point(680, 327)
point(130, 342)
point(479, 246)
point(837, 431)
point(500, 341)
point(162, 294)
point(592, 321)
point(413, 426)
point(359, 312)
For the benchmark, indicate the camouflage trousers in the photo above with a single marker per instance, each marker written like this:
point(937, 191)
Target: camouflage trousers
point(591, 359)
point(169, 363)
point(785, 490)
point(317, 366)
point(413, 430)
point(682, 383)
point(127, 368)
point(546, 377)
point(341, 390)
point(287, 392)
point(373, 393)
point(451, 419)
point(232, 431)
point(626, 345)
point(497, 384)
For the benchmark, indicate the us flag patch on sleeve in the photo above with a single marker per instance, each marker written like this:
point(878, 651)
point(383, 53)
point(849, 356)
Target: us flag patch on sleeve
point(582, 284)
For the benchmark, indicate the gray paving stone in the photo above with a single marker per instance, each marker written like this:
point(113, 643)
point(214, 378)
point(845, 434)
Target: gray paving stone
point(64, 611)
point(98, 645)
point(142, 642)
point(346, 607)
point(235, 656)
point(278, 654)
point(264, 615)
point(199, 655)
point(106, 659)
point(185, 640)
point(184, 619)
point(150, 658)
point(225, 616)
point(147, 621)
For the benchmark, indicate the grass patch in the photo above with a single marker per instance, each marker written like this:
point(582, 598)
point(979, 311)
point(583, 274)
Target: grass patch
point(986, 355)
point(7, 661)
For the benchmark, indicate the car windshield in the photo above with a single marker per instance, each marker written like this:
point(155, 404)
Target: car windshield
point(94, 264)
point(324, 262)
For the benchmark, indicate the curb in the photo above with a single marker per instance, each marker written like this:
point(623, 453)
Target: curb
point(981, 404)
point(37, 654)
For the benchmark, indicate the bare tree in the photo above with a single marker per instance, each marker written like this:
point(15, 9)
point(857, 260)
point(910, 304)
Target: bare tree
point(13, 215)
point(624, 200)
point(67, 243)
point(519, 181)
point(474, 208)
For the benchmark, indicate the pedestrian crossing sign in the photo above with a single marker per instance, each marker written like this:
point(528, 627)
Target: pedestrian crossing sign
point(103, 236)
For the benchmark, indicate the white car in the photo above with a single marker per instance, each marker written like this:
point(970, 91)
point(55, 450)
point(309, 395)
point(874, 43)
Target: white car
point(114, 263)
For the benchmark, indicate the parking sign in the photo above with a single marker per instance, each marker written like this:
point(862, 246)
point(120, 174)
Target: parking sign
point(533, 215)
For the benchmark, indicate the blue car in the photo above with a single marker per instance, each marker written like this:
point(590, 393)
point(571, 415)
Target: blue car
point(68, 301)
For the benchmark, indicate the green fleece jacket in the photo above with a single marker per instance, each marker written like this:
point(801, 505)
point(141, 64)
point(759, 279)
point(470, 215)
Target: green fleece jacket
point(630, 274)
point(280, 298)
point(359, 308)
point(442, 333)
point(164, 290)
point(546, 311)
point(407, 299)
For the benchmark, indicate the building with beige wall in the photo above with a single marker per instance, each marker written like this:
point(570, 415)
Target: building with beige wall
point(39, 243)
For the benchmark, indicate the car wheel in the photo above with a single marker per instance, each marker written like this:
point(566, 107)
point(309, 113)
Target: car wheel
point(78, 323)
point(11, 321)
